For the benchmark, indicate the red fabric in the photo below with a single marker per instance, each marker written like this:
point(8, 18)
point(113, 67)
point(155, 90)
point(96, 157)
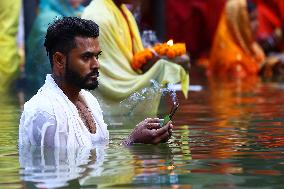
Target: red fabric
point(193, 22)
point(270, 16)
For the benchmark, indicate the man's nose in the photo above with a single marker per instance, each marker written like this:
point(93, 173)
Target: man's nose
point(95, 63)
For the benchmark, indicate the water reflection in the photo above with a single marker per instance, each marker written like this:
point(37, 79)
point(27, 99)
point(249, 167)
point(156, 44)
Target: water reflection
point(236, 130)
point(232, 104)
point(55, 167)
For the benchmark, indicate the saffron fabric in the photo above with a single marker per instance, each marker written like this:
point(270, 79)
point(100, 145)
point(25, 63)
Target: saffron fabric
point(51, 119)
point(9, 53)
point(119, 39)
point(234, 51)
point(37, 61)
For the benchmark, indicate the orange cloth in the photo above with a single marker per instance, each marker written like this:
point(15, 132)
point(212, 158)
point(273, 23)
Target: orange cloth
point(234, 51)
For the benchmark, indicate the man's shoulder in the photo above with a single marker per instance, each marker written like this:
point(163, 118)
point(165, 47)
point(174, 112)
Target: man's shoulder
point(38, 103)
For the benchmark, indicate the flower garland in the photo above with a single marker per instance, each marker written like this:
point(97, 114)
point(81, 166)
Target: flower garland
point(168, 50)
point(141, 58)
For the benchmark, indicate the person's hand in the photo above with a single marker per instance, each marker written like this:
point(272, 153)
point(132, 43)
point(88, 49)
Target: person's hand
point(150, 132)
point(150, 63)
point(183, 60)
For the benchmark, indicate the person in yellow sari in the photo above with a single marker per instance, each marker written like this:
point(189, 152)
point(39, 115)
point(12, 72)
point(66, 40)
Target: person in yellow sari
point(9, 54)
point(120, 40)
point(235, 52)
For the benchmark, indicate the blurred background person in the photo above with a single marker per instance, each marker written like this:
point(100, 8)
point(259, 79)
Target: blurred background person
point(271, 25)
point(270, 37)
point(235, 52)
point(120, 41)
point(37, 62)
point(193, 22)
point(9, 53)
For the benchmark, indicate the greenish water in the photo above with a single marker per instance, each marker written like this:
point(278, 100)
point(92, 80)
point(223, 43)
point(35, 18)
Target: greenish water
point(225, 136)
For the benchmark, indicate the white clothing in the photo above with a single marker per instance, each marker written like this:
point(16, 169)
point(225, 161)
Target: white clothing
point(51, 119)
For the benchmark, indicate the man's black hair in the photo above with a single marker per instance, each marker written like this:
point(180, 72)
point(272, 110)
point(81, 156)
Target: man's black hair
point(61, 34)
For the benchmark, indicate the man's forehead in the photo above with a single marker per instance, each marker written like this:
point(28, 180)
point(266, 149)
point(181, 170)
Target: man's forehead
point(84, 40)
point(87, 43)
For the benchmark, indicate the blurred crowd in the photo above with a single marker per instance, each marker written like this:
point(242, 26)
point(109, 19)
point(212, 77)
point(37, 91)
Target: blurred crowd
point(227, 38)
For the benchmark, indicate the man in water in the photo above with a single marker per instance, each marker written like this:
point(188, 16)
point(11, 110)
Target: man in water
point(63, 113)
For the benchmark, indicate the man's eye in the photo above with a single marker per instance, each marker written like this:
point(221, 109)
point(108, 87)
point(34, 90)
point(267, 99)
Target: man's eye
point(85, 57)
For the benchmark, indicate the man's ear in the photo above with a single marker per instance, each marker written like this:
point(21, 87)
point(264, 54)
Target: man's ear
point(59, 60)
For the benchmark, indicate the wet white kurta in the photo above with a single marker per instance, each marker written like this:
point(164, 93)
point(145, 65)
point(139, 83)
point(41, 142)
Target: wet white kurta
point(51, 119)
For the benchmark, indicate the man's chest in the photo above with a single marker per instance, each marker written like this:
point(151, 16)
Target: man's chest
point(86, 116)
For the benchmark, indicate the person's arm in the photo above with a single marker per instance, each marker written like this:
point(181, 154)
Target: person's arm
point(40, 129)
point(149, 132)
point(183, 60)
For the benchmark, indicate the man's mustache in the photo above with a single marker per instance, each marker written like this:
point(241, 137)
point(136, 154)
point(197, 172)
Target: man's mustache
point(93, 73)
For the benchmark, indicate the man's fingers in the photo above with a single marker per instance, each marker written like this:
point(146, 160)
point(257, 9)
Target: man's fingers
point(152, 120)
point(153, 125)
point(162, 130)
point(164, 137)
point(170, 131)
point(170, 125)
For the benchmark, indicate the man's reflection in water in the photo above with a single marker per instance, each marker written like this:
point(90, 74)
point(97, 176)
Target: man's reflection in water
point(103, 166)
point(47, 167)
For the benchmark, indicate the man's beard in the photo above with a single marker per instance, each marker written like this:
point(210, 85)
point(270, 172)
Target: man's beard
point(76, 79)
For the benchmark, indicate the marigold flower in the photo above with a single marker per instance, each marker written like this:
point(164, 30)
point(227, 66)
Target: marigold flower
point(162, 49)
